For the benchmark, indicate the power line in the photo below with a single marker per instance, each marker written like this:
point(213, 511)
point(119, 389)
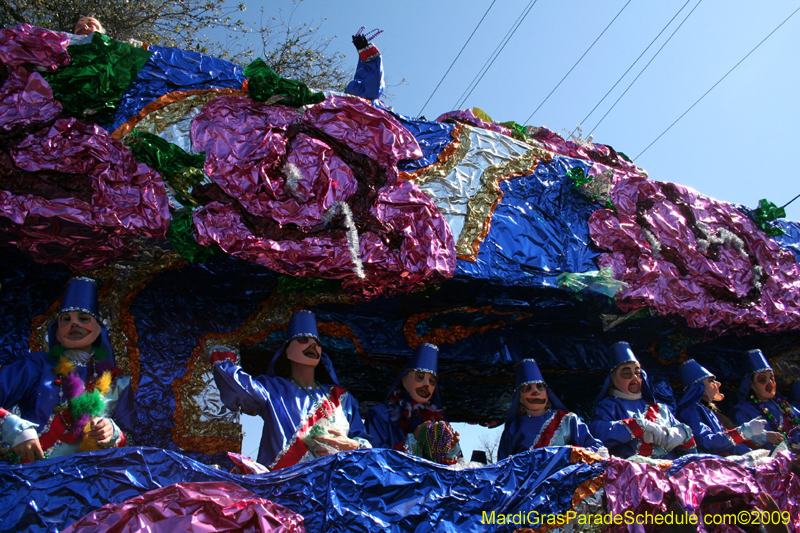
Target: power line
point(633, 64)
point(645, 68)
point(489, 62)
point(578, 61)
point(718, 82)
point(456, 59)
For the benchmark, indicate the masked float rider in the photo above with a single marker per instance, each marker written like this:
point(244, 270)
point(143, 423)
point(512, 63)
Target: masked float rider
point(71, 398)
point(306, 413)
point(712, 430)
point(628, 419)
point(757, 399)
point(368, 80)
point(410, 408)
point(536, 418)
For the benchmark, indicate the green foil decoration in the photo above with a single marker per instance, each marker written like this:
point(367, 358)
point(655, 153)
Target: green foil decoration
point(578, 176)
point(765, 213)
point(518, 131)
point(179, 168)
point(181, 236)
point(309, 285)
point(98, 75)
point(264, 84)
point(600, 281)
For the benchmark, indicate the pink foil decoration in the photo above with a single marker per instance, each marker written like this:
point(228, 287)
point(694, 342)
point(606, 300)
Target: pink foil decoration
point(27, 44)
point(193, 508)
point(128, 199)
point(426, 253)
point(468, 117)
point(642, 488)
point(689, 255)
point(26, 100)
point(366, 129)
point(403, 244)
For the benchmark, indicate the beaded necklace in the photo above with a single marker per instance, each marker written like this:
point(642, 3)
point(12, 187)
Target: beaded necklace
point(435, 441)
point(784, 407)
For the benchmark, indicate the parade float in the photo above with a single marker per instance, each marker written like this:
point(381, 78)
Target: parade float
point(211, 202)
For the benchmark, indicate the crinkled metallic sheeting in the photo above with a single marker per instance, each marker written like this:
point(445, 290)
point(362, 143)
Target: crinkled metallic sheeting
point(364, 490)
point(185, 103)
point(776, 478)
point(467, 116)
point(790, 240)
point(366, 129)
point(169, 70)
point(433, 139)
point(265, 85)
point(193, 508)
point(128, 199)
point(26, 102)
point(242, 140)
point(685, 254)
point(35, 46)
point(543, 219)
point(423, 252)
point(591, 511)
point(93, 83)
point(451, 192)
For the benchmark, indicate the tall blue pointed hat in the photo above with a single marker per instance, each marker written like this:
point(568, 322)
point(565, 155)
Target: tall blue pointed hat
point(692, 376)
point(424, 359)
point(81, 295)
point(302, 324)
point(528, 373)
point(753, 363)
point(621, 354)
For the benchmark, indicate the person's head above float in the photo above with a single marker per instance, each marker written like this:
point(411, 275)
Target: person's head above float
point(78, 325)
point(532, 396)
point(758, 377)
point(627, 380)
point(302, 346)
point(88, 24)
point(698, 383)
point(421, 374)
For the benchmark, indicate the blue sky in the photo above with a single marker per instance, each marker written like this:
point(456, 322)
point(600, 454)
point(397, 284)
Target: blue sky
point(735, 145)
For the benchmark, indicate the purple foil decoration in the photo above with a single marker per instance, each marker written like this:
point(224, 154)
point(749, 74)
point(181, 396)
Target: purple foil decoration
point(26, 100)
point(194, 508)
point(685, 254)
point(36, 46)
point(288, 189)
point(702, 487)
point(426, 252)
point(366, 129)
point(468, 117)
point(587, 151)
point(128, 199)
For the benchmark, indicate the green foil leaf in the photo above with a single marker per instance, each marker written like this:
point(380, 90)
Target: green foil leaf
point(264, 84)
point(98, 75)
point(181, 236)
point(767, 212)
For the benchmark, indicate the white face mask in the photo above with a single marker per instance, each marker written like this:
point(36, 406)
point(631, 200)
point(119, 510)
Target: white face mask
point(305, 351)
point(419, 385)
point(76, 329)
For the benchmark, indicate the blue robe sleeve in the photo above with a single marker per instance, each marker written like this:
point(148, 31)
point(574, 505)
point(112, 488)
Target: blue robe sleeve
point(709, 439)
point(384, 433)
point(581, 436)
point(18, 381)
point(612, 427)
point(504, 449)
point(125, 413)
point(357, 430)
point(239, 391)
point(368, 81)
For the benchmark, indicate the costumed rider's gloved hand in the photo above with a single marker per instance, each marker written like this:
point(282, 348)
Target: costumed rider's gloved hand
point(677, 435)
point(362, 43)
point(754, 428)
point(653, 433)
